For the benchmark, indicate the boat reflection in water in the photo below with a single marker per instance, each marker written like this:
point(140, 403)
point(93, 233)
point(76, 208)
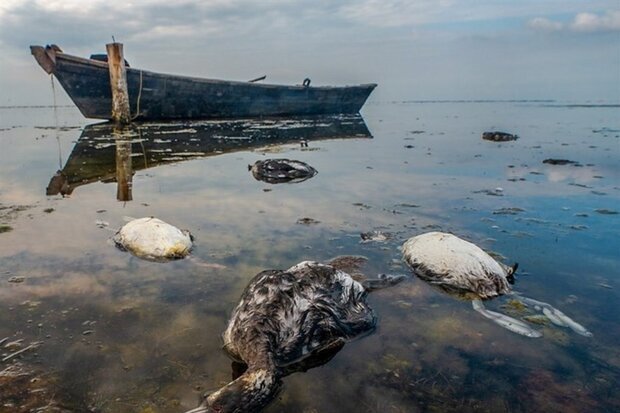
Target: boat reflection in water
point(106, 154)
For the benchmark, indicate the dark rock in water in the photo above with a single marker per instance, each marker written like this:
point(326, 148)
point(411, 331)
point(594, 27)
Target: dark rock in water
point(351, 264)
point(491, 192)
point(605, 211)
point(499, 136)
point(307, 221)
point(375, 236)
point(508, 211)
point(552, 161)
point(277, 171)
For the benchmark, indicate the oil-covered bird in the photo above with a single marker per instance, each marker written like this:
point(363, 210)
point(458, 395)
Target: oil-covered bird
point(289, 321)
point(276, 171)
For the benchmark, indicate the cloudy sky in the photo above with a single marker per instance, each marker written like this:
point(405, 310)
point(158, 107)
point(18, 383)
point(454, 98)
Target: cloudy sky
point(414, 49)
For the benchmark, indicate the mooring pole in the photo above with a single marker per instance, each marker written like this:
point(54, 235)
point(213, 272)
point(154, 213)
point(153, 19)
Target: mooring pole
point(118, 83)
point(124, 171)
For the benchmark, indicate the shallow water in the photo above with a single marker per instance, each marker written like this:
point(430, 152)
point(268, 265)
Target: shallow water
point(120, 334)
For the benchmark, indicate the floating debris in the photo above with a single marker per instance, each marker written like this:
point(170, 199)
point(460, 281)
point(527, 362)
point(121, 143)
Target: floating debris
point(32, 346)
point(515, 306)
point(499, 136)
point(491, 192)
point(605, 211)
point(540, 320)
point(14, 345)
point(102, 224)
point(533, 220)
point(307, 221)
point(276, 171)
point(375, 236)
point(552, 161)
point(580, 185)
point(508, 211)
point(605, 130)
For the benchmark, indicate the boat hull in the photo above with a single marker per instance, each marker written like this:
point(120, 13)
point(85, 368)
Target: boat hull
point(161, 96)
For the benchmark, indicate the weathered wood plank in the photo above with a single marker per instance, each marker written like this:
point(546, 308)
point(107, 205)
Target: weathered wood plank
point(118, 83)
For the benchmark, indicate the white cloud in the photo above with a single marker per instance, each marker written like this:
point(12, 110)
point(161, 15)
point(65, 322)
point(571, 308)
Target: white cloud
point(583, 22)
point(543, 24)
point(394, 13)
point(588, 22)
point(408, 46)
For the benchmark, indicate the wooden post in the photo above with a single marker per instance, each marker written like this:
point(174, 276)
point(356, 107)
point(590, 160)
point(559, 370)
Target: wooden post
point(124, 171)
point(118, 83)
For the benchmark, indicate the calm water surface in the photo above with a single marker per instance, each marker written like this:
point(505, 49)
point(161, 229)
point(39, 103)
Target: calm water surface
point(120, 334)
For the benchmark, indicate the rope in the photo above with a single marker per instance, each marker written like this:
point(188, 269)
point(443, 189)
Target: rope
point(56, 123)
point(139, 96)
point(146, 165)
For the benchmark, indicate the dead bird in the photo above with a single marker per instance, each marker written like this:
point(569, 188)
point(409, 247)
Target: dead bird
point(276, 171)
point(153, 239)
point(289, 321)
point(461, 268)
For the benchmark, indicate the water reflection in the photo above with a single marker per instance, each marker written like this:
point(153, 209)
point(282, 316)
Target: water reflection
point(103, 154)
point(124, 335)
point(124, 172)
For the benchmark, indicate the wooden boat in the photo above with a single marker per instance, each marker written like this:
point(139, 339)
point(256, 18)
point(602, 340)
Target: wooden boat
point(154, 96)
point(98, 152)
